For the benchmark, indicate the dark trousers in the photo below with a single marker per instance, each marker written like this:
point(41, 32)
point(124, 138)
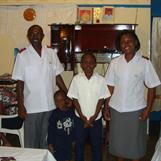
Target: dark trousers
point(95, 135)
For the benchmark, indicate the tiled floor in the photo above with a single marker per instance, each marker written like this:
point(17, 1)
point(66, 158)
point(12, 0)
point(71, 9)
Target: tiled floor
point(152, 139)
point(109, 157)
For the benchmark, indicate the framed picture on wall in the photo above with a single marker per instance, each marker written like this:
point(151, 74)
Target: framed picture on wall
point(97, 15)
point(85, 15)
point(108, 14)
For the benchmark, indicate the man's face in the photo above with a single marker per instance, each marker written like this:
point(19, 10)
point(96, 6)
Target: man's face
point(35, 35)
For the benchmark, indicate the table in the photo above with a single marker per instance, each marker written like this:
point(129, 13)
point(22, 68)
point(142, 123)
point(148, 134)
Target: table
point(26, 154)
point(157, 154)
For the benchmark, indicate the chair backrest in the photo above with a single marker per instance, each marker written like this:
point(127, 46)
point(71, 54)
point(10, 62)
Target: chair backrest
point(19, 132)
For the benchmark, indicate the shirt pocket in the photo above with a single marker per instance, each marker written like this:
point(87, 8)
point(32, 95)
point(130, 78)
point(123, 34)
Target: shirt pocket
point(32, 73)
point(137, 74)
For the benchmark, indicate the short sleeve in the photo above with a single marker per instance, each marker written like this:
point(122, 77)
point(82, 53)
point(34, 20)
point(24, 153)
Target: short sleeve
point(104, 92)
point(73, 90)
point(59, 68)
point(110, 75)
point(151, 77)
point(19, 69)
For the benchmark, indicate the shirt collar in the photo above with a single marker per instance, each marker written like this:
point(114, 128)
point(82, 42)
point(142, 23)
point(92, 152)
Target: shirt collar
point(94, 74)
point(34, 52)
point(136, 58)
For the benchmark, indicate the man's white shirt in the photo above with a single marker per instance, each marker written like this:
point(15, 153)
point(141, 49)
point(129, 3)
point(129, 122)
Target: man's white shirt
point(39, 76)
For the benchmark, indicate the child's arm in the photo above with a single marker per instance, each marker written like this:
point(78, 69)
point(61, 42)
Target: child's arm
point(78, 109)
point(51, 148)
point(98, 109)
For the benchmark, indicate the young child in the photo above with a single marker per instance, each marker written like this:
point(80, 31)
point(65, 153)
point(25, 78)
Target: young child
point(88, 91)
point(61, 127)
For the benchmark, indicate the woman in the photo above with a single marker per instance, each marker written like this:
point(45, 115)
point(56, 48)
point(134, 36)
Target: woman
point(127, 77)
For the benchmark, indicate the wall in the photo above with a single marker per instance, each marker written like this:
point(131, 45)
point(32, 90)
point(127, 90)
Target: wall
point(13, 27)
point(11, 2)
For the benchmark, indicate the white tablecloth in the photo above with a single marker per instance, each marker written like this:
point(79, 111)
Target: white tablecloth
point(157, 154)
point(26, 154)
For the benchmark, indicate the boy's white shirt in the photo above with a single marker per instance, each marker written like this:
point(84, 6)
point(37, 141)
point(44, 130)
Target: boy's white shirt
point(88, 92)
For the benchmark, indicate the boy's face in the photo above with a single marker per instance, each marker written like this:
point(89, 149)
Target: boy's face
point(60, 101)
point(88, 64)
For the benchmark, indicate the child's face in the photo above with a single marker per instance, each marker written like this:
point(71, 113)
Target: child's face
point(60, 101)
point(88, 64)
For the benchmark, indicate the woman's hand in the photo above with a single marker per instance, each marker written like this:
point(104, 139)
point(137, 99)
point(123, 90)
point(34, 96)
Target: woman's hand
point(106, 114)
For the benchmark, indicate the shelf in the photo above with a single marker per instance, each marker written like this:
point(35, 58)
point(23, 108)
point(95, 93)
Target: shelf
point(100, 57)
point(72, 41)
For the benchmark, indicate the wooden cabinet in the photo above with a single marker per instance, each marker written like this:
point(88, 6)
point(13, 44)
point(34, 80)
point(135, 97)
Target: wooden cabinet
point(62, 40)
point(71, 41)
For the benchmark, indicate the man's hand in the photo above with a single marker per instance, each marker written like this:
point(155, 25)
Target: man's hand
point(145, 114)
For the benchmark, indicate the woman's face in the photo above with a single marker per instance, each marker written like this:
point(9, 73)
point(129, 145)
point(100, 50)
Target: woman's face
point(128, 44)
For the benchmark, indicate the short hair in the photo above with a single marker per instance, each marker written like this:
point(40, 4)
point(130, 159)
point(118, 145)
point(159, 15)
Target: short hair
point(127, 32)
point(60, 92)
point(33, 26)
point(92, 55)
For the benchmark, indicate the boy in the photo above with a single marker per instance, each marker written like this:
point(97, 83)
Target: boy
point(60, 131)
point(88, 91)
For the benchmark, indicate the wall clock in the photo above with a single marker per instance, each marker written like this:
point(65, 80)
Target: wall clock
point(29, 14)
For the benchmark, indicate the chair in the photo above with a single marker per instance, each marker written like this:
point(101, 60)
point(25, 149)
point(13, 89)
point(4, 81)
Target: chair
point(19, 132)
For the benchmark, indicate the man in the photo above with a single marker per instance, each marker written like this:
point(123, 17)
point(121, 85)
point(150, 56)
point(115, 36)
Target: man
point(37, 70)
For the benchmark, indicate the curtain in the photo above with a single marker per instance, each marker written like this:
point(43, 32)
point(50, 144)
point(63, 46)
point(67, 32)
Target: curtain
point(156, 56)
